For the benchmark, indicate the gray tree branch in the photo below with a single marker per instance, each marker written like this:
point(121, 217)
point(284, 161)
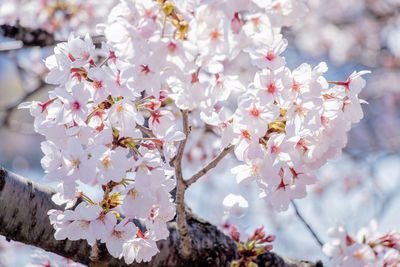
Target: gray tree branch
point(10, 109)
point(184, 235)
point(29, 37)
point(23, 217)
point(209, 166)
point(307, 225)
point(35, 37)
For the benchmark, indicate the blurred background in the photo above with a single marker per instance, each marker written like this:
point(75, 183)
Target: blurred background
point(363, 184)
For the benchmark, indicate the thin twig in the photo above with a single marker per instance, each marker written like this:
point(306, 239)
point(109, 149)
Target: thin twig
point(145, 130)
point(8, 110)
point(186, 243)
point(209, 166)
point(306, 224)
point(186, 131)
point(163, 26)
point(150, 134)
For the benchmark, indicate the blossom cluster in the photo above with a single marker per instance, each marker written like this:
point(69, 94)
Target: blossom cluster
point(367, 248)
point(288, 124)
point(367, 32)
point(90, 125)
point(112, 122)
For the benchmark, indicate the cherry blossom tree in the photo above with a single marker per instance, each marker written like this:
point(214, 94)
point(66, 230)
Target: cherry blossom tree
point(132, 87)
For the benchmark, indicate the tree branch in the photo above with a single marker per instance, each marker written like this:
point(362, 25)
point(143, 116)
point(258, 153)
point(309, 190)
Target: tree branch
point(145, 130)
point(23, 217)
point(186, 243)
point(209, 166)
point(307, 225)
point(35, 37)
point(8, 110)
point(29, 37)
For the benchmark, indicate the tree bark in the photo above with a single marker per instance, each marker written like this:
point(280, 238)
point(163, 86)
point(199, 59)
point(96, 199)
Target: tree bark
point(23, 217)
point(36, 37)
point(29, 37)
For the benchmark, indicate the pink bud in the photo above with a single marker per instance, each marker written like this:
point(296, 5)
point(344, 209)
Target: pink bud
point(258, 230)
point(194, 78)
point(234, 233)
point(269, 239)
point(236, 24)
point(163, 96)
point(267, 247)
point(149, 145)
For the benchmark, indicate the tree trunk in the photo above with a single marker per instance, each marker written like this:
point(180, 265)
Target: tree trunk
point(23, 217)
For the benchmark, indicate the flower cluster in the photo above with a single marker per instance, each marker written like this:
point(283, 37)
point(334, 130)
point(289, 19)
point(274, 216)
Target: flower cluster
point(361, 31)
point(367, 248)
point(90, 125)
point(112, 124)
point(288, 124)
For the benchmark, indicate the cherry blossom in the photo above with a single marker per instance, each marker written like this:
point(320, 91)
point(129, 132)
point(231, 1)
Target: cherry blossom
point(367, 248)
point(118, 113)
